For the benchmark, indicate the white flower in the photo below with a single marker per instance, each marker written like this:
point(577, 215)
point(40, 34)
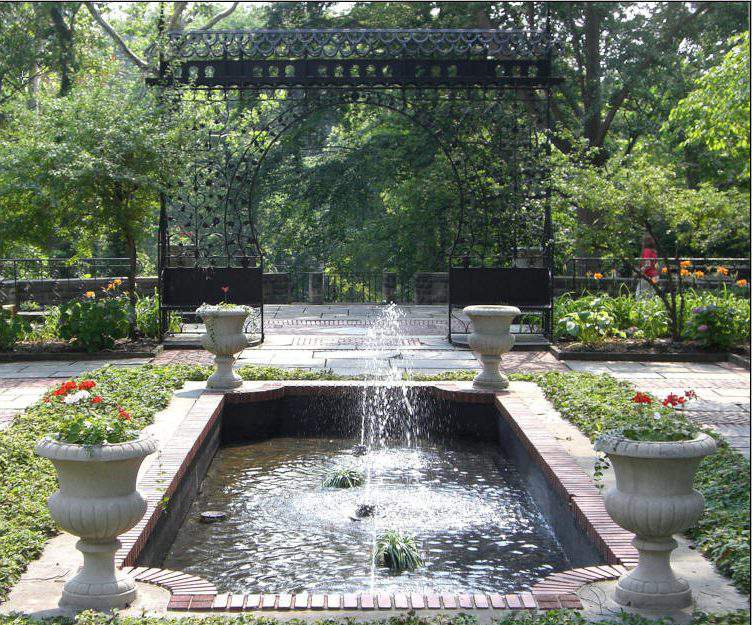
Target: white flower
point(75, 397)
point(657, 416)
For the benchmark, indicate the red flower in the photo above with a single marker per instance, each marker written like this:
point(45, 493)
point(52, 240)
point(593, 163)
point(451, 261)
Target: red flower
point(124, 415)
point(642, 398)
point(86, 385)
point(673, 400)
point(70, 385)
point(690, 394)
point(96, 399)
point(225, 289)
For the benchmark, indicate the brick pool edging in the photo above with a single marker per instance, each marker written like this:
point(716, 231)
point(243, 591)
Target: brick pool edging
point(163, 477)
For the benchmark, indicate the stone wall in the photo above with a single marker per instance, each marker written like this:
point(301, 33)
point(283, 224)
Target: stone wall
point(431, 287)
point(277, 288)
point(49, 292)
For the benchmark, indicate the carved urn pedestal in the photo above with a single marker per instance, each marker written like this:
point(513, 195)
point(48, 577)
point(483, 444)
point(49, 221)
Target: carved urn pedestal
point(490, 339)
point(225, 339)
point(653, 497)
point(97, 501)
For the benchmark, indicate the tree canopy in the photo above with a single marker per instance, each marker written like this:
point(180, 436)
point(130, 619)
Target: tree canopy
point(651, 115)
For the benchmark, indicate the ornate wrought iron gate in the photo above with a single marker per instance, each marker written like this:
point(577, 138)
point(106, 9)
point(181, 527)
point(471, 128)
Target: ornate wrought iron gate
point(481, 95)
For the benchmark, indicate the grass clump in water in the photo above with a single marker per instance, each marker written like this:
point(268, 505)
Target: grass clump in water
point(344, 478)
point(398, 552)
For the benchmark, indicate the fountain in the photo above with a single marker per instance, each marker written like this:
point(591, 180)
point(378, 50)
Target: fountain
point(459, 505)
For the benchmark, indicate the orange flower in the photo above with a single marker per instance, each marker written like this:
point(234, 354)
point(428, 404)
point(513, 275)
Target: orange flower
point(653, 280)
point(117, 282)
point(741, 282)
point(699, 274)
point(597, 275)
point(664, 269)
point(722, 270)
point(89, 294)
point(684, 273)
point(685, 263)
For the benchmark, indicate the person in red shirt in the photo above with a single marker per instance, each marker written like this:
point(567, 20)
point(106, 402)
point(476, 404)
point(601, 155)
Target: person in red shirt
point(648, 267)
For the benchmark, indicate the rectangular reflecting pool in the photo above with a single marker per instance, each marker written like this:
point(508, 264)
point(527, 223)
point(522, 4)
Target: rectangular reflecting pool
point(476, 525)
point(452, 469)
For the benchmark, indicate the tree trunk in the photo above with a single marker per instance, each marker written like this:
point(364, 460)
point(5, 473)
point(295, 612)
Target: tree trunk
point(66, 56)
point(592, 95)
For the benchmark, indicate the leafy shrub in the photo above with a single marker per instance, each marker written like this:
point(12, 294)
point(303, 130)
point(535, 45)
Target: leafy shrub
point(626, 316)
point(48, 329)
point(12, 329)
point(398, 552)
point(588, 326)
point(94, 323)
point(344, 478)
point(147, 317)
point(713, 326)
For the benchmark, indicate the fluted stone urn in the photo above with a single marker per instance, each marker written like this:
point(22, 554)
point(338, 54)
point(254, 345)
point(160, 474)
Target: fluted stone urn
point(653, 497)
point(225, 339)
point(97, 501)
point(490, 339)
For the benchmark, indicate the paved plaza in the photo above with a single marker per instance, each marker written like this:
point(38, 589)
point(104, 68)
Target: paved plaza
point(349, 340)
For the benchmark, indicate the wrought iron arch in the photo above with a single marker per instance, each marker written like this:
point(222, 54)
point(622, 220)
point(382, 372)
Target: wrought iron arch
point(248, 88)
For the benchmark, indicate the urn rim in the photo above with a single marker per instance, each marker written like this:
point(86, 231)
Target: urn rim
point(491, 310)
point(614, 443)
point(215, 311)
point(49, 447)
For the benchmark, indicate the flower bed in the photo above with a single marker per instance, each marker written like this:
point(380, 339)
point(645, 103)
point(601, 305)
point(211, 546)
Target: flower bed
point(715, 321)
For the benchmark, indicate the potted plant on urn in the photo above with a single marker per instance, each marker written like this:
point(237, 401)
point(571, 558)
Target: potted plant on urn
point(97, 455)
point(224, 338)
point(654, 464)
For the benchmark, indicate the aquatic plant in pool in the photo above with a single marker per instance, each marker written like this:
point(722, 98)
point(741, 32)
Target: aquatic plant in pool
point(344, 477)
point(397, 552)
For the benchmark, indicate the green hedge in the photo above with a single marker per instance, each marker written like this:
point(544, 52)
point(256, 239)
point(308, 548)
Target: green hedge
point(592, 403)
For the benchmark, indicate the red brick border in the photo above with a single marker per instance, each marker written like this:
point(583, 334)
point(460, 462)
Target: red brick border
point(567, 478)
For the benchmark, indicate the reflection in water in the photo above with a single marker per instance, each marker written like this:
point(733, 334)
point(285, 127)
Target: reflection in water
point(473, 520)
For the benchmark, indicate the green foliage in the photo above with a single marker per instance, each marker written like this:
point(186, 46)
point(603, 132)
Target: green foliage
point(254, 372)
point(716, 113)
point(588, 326)
point(48, 329)
point(147, 317)
point(344, 477)
point(526, 617)
point(12, 329)
point(397, 552)
point(94, 323)
point(599, 403)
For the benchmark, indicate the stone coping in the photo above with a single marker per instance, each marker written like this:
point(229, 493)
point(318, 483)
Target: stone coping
point(163, 477)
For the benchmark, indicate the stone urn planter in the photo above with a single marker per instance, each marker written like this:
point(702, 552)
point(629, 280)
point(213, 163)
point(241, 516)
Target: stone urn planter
point(653, 497)
point(225, 339)
point(490, 339)
point(97, 501)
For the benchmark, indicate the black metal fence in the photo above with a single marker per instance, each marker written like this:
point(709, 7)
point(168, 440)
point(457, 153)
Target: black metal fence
point(357, 287)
